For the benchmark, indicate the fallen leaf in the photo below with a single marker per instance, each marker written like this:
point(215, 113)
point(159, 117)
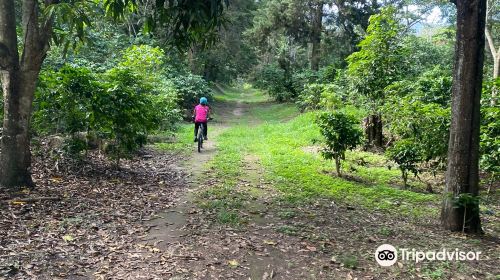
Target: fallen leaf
point(270, 242)
point(233, 263)
point(68, 238)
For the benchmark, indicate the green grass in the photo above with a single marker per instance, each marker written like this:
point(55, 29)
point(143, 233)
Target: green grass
point(183, 141)
point(248, 95)
point(298, 175)
point(278, 136)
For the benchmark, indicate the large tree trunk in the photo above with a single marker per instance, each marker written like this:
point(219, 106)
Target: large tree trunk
point(463, 153)
point(317, 27)
point(15, 159)
point(19, 76)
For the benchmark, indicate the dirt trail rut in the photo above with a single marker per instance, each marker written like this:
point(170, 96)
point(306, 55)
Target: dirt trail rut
point(169, 228)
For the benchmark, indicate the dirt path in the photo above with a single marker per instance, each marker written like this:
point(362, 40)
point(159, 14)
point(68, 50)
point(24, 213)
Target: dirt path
point(169, 229)
point(277, 240)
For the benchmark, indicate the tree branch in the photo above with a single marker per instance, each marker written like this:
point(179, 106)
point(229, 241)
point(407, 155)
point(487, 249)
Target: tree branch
point(9, 57)
point(491, 44)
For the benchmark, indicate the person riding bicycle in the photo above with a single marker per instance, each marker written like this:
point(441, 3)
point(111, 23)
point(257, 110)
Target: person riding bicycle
point(200, 115)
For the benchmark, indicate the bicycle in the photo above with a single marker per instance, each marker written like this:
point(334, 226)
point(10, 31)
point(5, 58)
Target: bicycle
point(201, 131)
point(200, 136)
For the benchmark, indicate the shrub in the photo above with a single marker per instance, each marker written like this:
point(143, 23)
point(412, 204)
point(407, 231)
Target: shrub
point(276, 82)
point(123, 112)
point(190, 88)
point(63, 101)
point(300, 80)
point(426, 124)
point(316, 96)
point(120, 109)
point(407, 155)
point(490, 141)
point(310, 98)
point(342, 132)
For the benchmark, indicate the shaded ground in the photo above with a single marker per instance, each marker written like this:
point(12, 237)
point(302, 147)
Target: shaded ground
point(169, 215)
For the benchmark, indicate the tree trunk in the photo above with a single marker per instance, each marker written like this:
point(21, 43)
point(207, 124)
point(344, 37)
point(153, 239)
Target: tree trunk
point(495, 54)
point(317, 27)
point(19, 76)
point(373, 131)
point(496, 64)
point(15, 159)
point(463, 153)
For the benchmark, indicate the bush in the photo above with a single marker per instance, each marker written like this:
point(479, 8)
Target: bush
point(426, 124)
point(120, 109)
point(342, 132)
point(316, 96)
point(63, 101)
point(276, 82)
point(407, 155)
point(490, 141)
point(301, 79)
point(190, 88)
point(124, 112)
point(310, 98)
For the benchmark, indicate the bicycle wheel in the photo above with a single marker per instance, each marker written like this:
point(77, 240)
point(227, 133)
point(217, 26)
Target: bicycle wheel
point(200, 138)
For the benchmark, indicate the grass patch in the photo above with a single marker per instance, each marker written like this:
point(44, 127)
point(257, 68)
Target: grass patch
point(289, 230)
point(181, 142)
point(278, 135)
point(234, 94)
point(279, 144)
point(228, 217)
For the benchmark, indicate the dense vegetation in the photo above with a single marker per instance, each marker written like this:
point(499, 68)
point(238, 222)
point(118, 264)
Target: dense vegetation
point(373, 86)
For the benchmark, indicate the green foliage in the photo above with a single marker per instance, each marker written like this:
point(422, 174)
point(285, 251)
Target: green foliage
point(276, 81)
point(63, 101)
point(190, 88)
point(341, 133)
point(144, 60)
point(187, 21)
point(407, 155)
point(490, 141)
point(310, 98)
point(119, 108)
point(316, 96)
point(433, 86)
point(302, 78)
point(426, 124)
point(380, 60)
point(122, 112)
point(149, 64)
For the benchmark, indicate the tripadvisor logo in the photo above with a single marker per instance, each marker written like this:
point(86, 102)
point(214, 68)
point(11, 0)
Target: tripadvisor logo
point(387, 255)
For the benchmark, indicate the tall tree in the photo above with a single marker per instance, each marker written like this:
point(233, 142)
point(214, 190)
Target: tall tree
point(316, 32)
point(188, 20)
point(493, 25)
point(380, 62)
point(460, 209)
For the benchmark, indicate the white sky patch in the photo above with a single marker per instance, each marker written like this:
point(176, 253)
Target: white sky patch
point(432, 17)
point(435, 17)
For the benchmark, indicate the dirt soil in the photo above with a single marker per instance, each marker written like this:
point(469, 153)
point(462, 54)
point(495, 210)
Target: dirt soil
point(142, 222)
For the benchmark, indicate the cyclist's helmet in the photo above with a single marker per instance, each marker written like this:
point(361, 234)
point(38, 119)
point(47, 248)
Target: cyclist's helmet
point(203, 101)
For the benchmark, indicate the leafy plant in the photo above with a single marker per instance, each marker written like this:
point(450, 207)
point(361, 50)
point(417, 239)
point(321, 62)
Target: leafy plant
point(380, 60)
point(276, 81)
point(341, 133)
point(310, 98)
point(123, 112)
point(469, 203)
point(490, 141)
point(407, 155)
